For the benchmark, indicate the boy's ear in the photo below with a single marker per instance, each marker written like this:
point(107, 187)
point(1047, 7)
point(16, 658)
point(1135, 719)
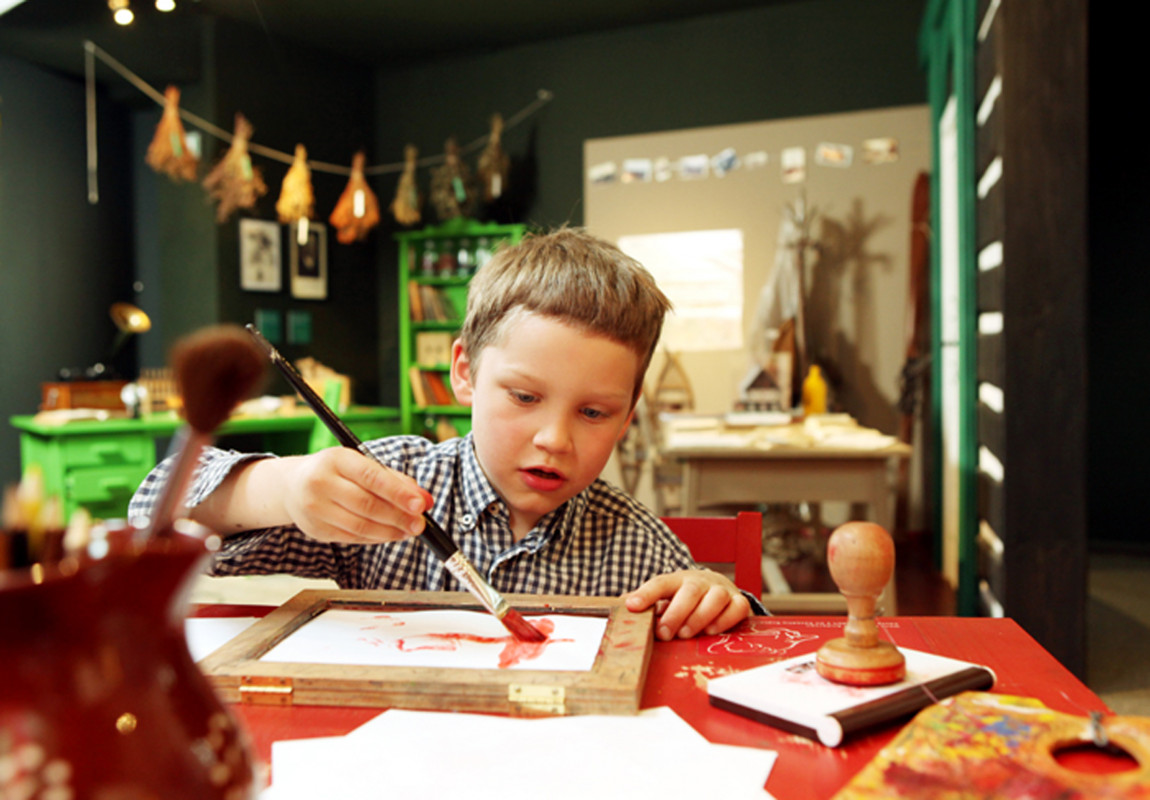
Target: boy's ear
point(462, 371)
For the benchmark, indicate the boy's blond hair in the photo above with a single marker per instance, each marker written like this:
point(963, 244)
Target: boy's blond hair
point(573, 277)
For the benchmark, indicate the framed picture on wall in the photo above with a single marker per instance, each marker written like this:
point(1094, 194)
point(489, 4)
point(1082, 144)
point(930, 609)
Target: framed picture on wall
point(309, 262)
point(260, 269)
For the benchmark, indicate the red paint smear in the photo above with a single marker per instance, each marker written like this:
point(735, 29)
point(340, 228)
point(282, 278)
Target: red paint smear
point(514, 650)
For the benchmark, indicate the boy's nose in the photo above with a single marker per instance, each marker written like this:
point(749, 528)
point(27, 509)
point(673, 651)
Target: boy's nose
point(554, 435)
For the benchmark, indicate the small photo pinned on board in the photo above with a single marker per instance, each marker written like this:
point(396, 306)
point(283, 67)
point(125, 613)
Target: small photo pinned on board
point(664, 171)
point(828, 154)
point(637, 170)
point(794, 164)
point(724, 161)
point(694, 167)
point(603, 173)
point(883, 150)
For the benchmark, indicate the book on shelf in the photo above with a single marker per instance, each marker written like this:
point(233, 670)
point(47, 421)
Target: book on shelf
point(435, 304)
point(418, 388)
point(439, 392)
point(429, 388)
point(792, 696)
point(415, 301)
point(433, 348)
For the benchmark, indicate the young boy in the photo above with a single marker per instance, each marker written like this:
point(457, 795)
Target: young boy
point(558, 334)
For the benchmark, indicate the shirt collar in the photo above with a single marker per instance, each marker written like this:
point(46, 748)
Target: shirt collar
point(479, 494)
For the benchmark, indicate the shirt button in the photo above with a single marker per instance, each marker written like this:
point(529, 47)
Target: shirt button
point(467, 521)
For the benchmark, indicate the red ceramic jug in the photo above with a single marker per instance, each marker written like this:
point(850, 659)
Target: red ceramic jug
point(99, 696)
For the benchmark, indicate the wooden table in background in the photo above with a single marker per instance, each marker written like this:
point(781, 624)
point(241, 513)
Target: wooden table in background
point(726, 475)
point(679, 670)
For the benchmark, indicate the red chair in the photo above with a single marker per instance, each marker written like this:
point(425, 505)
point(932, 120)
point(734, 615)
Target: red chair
point(734, 540)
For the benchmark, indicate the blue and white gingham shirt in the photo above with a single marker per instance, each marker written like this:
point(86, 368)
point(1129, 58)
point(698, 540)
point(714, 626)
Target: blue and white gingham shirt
point(600, 542)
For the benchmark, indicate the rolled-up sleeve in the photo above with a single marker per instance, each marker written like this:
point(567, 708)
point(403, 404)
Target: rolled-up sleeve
point(215, 465)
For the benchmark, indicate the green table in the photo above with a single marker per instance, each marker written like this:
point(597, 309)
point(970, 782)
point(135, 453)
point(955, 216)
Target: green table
point(97, 464)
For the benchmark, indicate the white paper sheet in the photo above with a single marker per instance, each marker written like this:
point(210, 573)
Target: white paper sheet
point(440, 638)
point(207, 634)
point(425, 754)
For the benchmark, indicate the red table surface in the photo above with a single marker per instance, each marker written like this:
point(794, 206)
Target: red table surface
point(679, 671)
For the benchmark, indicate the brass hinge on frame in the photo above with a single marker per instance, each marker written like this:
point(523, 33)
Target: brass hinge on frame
point(537, 699)
point(266, 691)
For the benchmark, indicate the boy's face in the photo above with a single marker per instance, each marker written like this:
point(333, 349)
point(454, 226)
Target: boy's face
point(547, 406)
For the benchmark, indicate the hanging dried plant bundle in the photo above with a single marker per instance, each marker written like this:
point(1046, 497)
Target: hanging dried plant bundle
point(297, 199)
point(168, 153)
point(233, 182)
point(452, 187)
point(405, 206)
point(357, 210)
point(494, 164)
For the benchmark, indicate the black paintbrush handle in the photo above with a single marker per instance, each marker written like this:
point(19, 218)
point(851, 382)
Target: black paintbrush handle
point(336, 425)
point(436, 538)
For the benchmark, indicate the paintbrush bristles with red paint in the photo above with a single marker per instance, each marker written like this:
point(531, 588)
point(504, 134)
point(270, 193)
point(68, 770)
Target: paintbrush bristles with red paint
point(215, 368)
point(520, 628)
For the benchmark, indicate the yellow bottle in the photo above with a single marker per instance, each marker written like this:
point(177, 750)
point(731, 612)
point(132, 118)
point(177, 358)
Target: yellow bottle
point(814, 392)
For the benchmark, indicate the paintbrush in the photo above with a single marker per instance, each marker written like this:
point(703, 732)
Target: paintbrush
point(433, 535)
point(215, 369)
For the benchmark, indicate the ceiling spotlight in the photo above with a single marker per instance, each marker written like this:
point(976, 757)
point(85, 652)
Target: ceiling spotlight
point(165, 5)
point(120, 12)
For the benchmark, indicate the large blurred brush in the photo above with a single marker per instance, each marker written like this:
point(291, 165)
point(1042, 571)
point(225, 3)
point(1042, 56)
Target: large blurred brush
point(216, 368)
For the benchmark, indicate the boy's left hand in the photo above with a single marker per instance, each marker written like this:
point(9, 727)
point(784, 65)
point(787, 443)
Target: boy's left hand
point(690, 601)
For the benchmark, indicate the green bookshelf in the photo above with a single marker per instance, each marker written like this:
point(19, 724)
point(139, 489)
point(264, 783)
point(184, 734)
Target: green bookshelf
point(436, 265)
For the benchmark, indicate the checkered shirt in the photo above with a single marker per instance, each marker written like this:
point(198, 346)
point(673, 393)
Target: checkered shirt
point(601, 542)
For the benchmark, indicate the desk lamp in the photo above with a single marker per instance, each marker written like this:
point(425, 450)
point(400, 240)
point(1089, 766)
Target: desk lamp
point(129, 321)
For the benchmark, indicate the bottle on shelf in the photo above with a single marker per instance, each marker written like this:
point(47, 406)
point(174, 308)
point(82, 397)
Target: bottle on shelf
point(429, 261)
point(464, 261)
point(482, 252)
point(447, 265)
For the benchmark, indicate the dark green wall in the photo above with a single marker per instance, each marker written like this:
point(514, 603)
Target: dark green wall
point(63, 261)
point(178, 270)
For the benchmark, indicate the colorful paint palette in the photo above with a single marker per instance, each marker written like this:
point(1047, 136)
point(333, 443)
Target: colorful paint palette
point(978, 745)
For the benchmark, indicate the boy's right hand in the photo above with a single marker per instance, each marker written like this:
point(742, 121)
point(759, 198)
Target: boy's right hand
point(335, 495)
point(338, 495)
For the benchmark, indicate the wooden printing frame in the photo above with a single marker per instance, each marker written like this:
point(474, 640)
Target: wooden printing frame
point(613, 685)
